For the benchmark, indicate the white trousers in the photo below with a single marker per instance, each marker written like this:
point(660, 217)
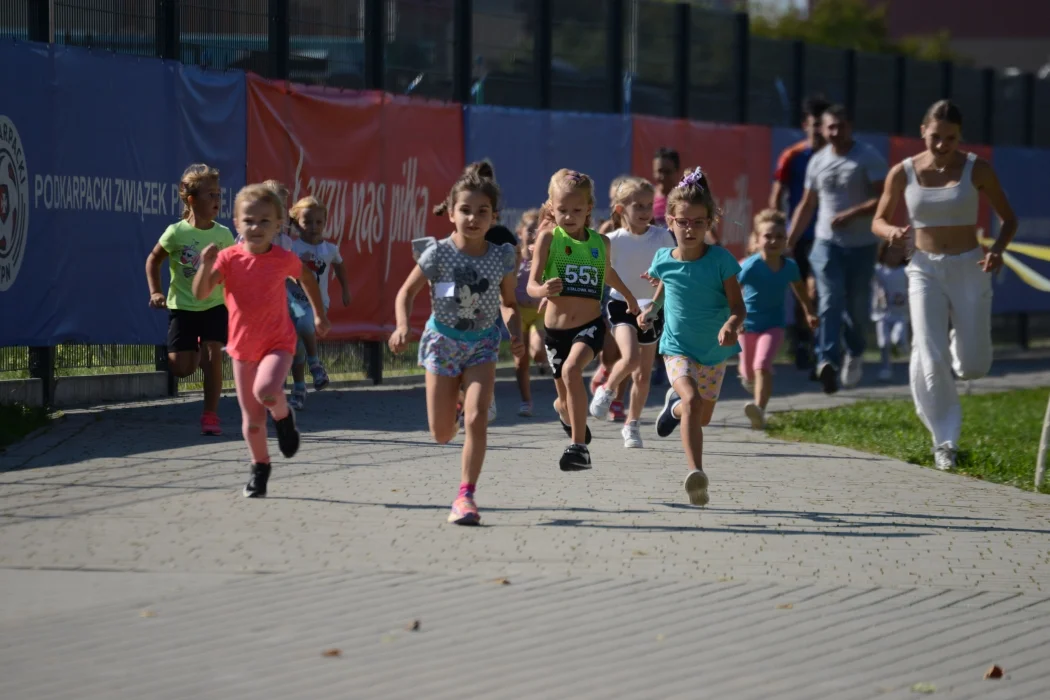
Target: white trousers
point(943, 288)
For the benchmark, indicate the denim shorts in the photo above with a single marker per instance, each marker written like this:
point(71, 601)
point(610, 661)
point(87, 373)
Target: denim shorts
point(448, 357)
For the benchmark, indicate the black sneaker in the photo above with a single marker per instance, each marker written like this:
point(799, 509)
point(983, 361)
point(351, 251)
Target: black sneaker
point(829, 378)
point(666, 422)
point(568, 430)
point(575, 458)
point(256, 486)
point(288, 434)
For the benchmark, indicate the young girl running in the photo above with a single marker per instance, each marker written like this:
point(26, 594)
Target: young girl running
point(262, 337)
point(471, 281)
point(764, 280)
point(196, 327)
point(636, 245)
point(610, 353)
point(705, 310)
point(528, 310)
point(570, 269)
point(889, 304)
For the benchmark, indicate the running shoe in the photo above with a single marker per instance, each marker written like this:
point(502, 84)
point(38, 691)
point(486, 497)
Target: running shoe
point(210, 424)
point(756, 415)
point(297, 399)
point(492, 410)
point(525, 409)
point(749, 385)
point(575, 458)
point(666, 421)
point(464, 512)
point(828, 378)
point(320, 376)
point(852, 371)
point(944, 457)
point(568, 430)
point(632, 437)
point(696, 486)
point(288, 434)
point(602, 401)
point(600, 375)
point(256, 486)
point(616, 412)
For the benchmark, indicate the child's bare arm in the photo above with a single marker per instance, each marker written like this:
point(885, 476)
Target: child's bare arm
point(403, 308)
point(313, 293)
point(340, 274)
point(153, 263)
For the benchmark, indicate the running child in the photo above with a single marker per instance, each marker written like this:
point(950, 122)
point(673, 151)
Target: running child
point(764, 280)
point(610, 353)
point(636, 245)
point(529, 311)
point(196, 327)
point(262, 336)
point(471, 282)
point(890, 310)
point(705, 311)
point(570, 269)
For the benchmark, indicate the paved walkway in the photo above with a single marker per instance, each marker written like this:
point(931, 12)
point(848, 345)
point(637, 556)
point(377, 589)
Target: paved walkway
point(131, 567)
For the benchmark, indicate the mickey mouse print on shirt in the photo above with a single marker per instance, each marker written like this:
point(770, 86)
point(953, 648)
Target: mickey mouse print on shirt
point(464, 289)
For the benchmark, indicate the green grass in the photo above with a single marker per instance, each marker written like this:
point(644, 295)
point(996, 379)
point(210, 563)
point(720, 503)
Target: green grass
point(17, 421)
point(1000, 433)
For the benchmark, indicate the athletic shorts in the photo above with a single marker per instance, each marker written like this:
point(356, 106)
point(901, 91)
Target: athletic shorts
point(447, 357)
point(708, 378)
point(559, 342)
point(618, 316)
point(188, 329)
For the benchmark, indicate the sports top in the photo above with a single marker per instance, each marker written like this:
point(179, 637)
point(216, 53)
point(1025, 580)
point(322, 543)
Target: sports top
point(930, 207)
point(579, 264)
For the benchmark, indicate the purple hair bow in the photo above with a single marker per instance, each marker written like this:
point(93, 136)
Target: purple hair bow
point(574, 177)
point(693, 179)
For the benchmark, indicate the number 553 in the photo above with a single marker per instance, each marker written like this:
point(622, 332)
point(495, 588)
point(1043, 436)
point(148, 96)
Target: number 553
point(581, 274)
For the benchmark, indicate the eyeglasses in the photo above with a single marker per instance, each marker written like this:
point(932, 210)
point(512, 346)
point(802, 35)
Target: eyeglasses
point(689, 224)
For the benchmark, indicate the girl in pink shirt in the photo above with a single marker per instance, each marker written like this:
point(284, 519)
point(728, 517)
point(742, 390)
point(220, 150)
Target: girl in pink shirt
point(262, 336)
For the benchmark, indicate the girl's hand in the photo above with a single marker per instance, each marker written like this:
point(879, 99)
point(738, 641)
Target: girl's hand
point(157, 301)
point(812, 321)
point(552, 287)
point(632, 306)
point(517, 348)
point(651, 280)
point(346, 297)
point(643, 319)
point(898, 235)
point(321, 325)
point(727, 336)
point(209, 254)
point(398, 340)
point(992, 261)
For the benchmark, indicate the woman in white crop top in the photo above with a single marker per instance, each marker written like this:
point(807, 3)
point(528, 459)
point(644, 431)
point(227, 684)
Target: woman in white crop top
point(948, 277)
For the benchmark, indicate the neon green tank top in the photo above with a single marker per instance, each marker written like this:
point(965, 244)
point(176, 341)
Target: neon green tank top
point(579, 264)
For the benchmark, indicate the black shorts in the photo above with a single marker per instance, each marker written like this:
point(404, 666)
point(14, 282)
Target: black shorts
point(618, 316)
point(188, 329)
point(802, 249)
point(559, 342)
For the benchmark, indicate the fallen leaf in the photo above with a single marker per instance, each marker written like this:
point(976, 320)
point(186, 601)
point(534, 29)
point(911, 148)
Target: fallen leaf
point(924, 688)
point(331, 652)
point(785, 606)
point(995, 672)
point(501, 581)
point(639, 553)
point(147, 613)
point(412, 626)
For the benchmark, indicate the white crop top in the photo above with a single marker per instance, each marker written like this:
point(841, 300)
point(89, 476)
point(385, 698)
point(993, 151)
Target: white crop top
point(930, 207)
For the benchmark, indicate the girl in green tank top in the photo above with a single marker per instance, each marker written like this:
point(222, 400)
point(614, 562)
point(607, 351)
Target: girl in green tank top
point(580, 265)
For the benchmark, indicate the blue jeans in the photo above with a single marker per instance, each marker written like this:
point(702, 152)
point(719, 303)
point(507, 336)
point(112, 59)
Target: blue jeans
point(844, 278)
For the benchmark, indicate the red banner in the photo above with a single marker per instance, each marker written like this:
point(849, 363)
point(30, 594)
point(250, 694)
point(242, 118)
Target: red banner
point(902, 147)
point(380, 164)
point(736, 159)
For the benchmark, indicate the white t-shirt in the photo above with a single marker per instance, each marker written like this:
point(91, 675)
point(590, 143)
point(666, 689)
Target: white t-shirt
point(890, 294)
point(318, 258)
point(632, 255)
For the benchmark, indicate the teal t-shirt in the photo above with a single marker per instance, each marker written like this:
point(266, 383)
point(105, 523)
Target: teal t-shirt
point(695, 304)
point(764, 292)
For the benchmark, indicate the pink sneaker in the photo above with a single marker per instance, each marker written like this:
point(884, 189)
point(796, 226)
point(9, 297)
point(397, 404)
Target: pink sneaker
point(464, 512)
point(616, 412)
point(210, 424)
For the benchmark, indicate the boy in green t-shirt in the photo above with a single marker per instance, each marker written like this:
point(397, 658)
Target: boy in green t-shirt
point(196, 327)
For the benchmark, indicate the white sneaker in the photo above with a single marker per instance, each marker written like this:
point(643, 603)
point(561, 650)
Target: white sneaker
point(756, 415)
point(852, 371)
point(696, 486)
point(632, 437)
point(885, 374)
point(749, 386)
point(492, 411)
point(525, 410)
point(601, 402)
point(944, 456)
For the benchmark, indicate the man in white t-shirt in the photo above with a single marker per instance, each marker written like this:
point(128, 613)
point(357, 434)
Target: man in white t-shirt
point(845, 178)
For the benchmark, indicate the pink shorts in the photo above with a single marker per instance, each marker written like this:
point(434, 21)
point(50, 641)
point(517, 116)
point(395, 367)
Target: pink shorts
point(758, 350)
point(708, 378)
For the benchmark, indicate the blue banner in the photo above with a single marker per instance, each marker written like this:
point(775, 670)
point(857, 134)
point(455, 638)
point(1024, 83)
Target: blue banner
point(1024, 283)
point(527, 147)
point(92, 147)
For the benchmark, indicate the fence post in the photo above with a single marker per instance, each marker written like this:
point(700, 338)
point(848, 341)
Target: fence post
point(279, 39)
point(900, 83)
point(160, 363)
point(743, 66)
point(463, 50)
point(374, 361)
point(988, 85)
point(42, 367)
point(375, 44)
point(680, 79)
point(850, 94)
point(543, 52)
point(167, 30)
point(798, 69)
point(614, 55)
point(39, 28)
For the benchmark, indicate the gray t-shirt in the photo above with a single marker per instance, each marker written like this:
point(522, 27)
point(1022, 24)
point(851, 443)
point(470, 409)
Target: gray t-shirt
point(464, 290)
point(843, 182)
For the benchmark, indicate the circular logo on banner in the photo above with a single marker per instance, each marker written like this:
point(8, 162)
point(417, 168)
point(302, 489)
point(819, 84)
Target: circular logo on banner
point(14, 203)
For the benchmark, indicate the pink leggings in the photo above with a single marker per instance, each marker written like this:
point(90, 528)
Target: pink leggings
point(758, 351)
point(260, 386)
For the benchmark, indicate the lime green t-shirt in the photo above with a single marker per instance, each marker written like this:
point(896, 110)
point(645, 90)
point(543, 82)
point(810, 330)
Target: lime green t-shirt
point(184, 244)
point(579, 264)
